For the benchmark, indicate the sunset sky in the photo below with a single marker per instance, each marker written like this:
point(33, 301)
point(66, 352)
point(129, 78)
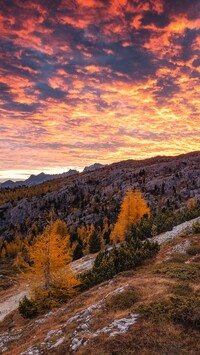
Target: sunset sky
point(85, 81)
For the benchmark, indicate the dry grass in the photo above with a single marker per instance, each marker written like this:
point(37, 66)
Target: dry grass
point(145, 337)
point(148, 339)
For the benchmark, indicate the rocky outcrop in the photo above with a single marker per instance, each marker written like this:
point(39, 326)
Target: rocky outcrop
point(93, 167)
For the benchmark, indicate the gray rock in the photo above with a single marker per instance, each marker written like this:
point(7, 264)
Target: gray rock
point(84, 326)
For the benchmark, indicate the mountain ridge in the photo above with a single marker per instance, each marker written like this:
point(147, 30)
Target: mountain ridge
point(36, 179)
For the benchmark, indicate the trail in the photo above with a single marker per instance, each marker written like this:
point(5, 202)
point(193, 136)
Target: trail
point(11, 303)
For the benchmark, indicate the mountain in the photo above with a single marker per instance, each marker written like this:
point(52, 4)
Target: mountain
point(36, 179)
point(42, 177)
point(94, 197)
point(140, 297)
point(93, 167)
point(8, 184)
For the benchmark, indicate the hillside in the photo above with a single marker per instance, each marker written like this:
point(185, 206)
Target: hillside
point(95, 196)
point(151, 310)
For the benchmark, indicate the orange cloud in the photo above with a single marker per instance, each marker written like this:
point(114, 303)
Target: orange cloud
point(99, 81)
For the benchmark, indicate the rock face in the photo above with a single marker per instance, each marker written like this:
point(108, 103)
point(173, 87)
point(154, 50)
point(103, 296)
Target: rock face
point(93, 167)
point(92, 196)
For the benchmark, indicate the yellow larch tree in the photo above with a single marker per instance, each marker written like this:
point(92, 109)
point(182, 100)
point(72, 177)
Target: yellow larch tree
point(49, 256)
point(3, 253)
point(85, 233)
point(191, 203)
point(133, 208)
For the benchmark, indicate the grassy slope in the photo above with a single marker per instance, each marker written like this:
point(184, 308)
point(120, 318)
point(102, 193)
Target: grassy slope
point(158, 280)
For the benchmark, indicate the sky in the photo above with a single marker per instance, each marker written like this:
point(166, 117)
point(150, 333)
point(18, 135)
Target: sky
point(85, 81)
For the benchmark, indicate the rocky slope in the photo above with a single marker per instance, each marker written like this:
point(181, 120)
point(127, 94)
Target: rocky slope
point(11, 299)
point(89, 197)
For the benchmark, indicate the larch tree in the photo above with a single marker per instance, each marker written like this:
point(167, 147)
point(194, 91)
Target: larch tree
point(49, 256)
point(3, 253)
point(191, 203)
point(133, 208)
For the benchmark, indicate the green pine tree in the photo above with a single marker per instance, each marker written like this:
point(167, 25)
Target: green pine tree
point(94, 243)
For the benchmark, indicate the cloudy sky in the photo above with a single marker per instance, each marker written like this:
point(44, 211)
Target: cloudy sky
point(86, 81)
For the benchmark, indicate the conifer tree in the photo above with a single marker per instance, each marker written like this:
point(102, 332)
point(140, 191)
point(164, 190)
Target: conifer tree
point(49, 256)
point(94, 243)
point(78, 250)
point(133, 208)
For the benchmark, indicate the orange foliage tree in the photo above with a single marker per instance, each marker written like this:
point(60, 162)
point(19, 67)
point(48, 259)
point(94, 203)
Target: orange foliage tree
point(133, 208)
point(191, 203)
point(49, 256)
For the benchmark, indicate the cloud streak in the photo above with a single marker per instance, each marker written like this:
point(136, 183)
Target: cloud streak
point(94, 80)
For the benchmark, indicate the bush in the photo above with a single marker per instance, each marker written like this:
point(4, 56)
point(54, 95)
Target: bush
point(187, 272)
point(196, 228)
point(193, 250)
point(186, 311)
point(179, 309)
point(165, 221)
point(178, 257)
point(123, 300)
point(119, 259)
point(43, 300)
point(27, 308)
point(181, 289)
point(94, 243)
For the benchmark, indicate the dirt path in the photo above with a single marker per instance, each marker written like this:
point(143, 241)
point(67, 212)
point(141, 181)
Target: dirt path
point(10, 303)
